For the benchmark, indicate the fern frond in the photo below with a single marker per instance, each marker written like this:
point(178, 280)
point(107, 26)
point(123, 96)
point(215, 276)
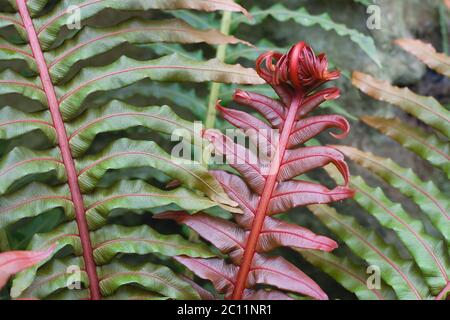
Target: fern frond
point(54, 277)
point(93, 41)
point(93, 168)
point(154, 278)
point(11, 52)
point(16, 123)
point(22, 164)
point(266, 185)
point(350, 276)
point(127, 71)
point(428, 109)
point(49, 26)
point(139, 196)
point(429, 252)
point(13, 83)
point(427, 145)
point(182, 98)
point(118, 116)
point(114, 239)
point(426, 53)
point(427, 249)
point(401, 274)
point(303, 17)
point(425, 194)
point(33, 200)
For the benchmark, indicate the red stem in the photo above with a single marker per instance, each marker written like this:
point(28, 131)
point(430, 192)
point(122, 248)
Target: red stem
point(261, 212)
point(65, 149)
point(444, 292)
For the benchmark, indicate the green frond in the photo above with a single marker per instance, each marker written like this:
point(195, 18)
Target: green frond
point(427, 145)
point(430, 253)
point(94, 41)
point(117, 116)
point(115, 239)
point(401, 274)
point(129, 172)
point(154, 278)
point(13, 83)
point(34, 200)
point(135, 293)
point(138, 196)
point(15, 123)
point(425, 194)
point(427, 109)
point(11, 52)
point(62, 236)
point(49, 26)
point(351, 276)
point(21, 166)
point(303, 17)
point(56, 276)
point(127, 71)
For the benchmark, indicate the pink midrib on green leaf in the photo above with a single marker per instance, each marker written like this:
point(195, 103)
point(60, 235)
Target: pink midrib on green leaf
point(14, 21)
point(65, 149)
point(411, 230)
point(263, 205)
point(443, 292)
point(111, 34)
point(232, 6)
point(380, 253)
point(16, 50)
point(348, 271)
point(413, 185)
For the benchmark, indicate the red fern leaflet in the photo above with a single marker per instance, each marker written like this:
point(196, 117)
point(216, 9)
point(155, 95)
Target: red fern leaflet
point(15, 261)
